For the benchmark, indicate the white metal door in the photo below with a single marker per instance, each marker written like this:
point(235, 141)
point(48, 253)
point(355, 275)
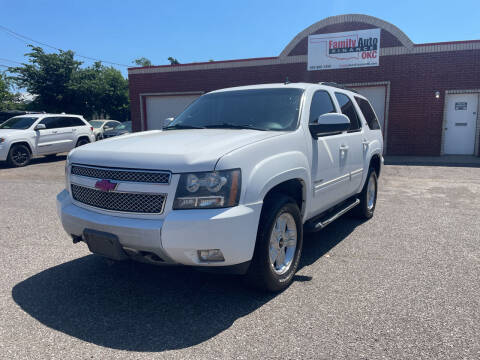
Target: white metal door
point(330, 171)
point(53, 139)
point(161, 107)
point(376, 95)
point(461, 123)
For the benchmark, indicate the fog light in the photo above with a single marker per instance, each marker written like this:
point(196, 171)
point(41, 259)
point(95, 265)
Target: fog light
point(210, 255)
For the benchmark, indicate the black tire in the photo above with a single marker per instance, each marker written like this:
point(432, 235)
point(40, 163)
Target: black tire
point(99, 137)
point(261, 273)
point(82, 141)
point(364, 210)
point(19, 155)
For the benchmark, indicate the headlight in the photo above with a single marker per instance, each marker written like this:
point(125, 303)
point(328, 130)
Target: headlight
point(218, 189)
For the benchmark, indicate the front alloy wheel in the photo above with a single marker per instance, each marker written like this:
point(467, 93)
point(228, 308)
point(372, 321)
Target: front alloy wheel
point(279, 244)
point(19, 156)
point(283, 243)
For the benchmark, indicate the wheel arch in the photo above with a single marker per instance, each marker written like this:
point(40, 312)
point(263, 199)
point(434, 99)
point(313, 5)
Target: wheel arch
point(82, 137)
point(22, 142)
point(376, 163)
point(294, 188)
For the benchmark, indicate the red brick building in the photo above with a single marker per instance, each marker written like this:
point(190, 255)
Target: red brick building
point(426, 95)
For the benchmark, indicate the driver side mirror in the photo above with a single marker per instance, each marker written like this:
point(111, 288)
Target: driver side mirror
point(40, 127)
point(329, 124)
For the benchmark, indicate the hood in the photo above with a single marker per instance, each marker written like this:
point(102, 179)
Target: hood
point(7, 132)
point(172, 150)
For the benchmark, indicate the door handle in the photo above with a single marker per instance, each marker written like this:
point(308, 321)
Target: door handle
point(74, 130)
point(366, 144)
point(54, 131)
point(344, 147)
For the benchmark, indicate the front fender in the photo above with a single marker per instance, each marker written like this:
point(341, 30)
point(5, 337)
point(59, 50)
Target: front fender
point(274, 170)
point(30, 143)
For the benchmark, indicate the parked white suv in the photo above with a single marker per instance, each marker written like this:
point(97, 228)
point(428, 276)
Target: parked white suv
point(25, 136)
point(231, 183)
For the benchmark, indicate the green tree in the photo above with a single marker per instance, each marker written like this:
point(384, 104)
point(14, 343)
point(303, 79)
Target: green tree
point(48, 76)
point(6, 96)
point(101, 91)
point(143, 61)
point(62, 85)
point(173, 61)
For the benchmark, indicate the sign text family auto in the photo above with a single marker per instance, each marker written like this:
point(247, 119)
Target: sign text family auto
point(344, 50)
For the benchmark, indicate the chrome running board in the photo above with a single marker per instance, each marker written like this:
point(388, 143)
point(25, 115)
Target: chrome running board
point(318, 223)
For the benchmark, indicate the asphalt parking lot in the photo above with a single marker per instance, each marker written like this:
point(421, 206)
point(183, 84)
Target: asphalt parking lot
point(404, 285)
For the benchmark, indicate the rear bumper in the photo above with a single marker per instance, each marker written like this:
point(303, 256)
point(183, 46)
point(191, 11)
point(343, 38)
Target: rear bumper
point(176, 238)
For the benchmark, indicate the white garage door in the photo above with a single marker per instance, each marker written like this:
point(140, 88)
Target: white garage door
point(376, 95)
point(161, 107)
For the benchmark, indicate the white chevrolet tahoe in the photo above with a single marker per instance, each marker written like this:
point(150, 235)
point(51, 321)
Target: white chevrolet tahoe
point(25, 136)
point(231, 183)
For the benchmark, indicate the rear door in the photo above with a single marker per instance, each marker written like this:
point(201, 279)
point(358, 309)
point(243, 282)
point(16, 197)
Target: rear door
point(79, 128)
point(67, 126)
point(352, 144)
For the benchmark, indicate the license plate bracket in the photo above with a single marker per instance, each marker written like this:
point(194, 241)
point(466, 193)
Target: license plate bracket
point(104, 244)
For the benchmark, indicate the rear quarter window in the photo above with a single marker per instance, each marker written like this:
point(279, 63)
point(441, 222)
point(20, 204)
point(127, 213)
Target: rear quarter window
point(74, 121)
point(368, 113)
point(348, 109)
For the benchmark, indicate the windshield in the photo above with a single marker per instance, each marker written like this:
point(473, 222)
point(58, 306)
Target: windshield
point(259, 109)
point(18, 123)
point(125, 126)
point(96, 124)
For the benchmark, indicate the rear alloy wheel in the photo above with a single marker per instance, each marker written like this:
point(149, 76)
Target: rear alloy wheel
point(82, 142)
point(19, 156)
point(368, 196)
point(279, 245)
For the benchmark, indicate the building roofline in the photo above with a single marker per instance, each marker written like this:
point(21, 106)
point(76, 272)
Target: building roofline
point(203, 63)
point(331, 20)
point(408, 48)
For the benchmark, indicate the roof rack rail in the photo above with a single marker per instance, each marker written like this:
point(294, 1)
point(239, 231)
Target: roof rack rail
point(339, 86)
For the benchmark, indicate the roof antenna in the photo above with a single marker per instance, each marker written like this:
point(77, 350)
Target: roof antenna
point(287, 81)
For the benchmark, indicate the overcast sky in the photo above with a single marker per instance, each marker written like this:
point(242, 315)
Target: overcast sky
point(120, 31)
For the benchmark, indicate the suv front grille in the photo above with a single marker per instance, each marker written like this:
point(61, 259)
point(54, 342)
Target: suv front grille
point(120, 201)
point(143, 176)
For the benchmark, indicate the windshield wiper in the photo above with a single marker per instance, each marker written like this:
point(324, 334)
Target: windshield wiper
point(234, 126)
point(182, 127)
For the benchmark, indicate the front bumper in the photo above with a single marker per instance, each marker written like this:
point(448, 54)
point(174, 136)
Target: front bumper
point(176, 238)
point(3, 152)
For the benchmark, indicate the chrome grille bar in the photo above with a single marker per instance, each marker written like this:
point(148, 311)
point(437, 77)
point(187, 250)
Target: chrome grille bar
point(127, 175)
point(143, 203)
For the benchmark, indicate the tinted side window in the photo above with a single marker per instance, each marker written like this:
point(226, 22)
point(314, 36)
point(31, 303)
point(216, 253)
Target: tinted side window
point(321, 104)
point(348, 109)
point(50, 122)
point(76, 121)
point(368, 113)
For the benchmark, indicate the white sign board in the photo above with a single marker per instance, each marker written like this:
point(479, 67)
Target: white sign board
point(349, 49)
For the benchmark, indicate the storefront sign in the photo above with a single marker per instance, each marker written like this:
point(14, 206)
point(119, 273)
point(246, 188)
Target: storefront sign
point(350, 49)
point(460, 106)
